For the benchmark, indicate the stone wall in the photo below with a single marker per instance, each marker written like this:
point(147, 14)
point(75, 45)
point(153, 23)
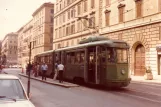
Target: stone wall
point(149, 36)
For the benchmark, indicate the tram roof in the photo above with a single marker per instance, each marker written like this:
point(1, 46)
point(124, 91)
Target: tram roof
point(110, 43)
point(46, 52)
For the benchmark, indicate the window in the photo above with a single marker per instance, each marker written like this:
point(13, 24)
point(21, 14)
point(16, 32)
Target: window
point(73, 28)
point(92, 21)
point(68, 2)
point(64, 17)
point(159, 5)
point(79, 9)
point(121, 8)
point(73, 12)
point(51, 30)
point(138, 8)
point(92, 3)
point(107, 2)
point(107, 17)
point(52, 11)
point(69, 14)
point(64, 34)
point(51, 19)
point(85, 5)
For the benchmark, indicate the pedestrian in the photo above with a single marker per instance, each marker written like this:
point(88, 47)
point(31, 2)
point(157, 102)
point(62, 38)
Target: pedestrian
point(56, 70)
point(44, 69)
point(60, 71)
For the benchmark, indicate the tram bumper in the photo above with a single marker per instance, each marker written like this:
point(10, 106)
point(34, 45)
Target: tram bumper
point(118, 83)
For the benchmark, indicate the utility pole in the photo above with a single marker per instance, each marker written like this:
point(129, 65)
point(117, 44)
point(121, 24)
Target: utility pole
point(29, 70)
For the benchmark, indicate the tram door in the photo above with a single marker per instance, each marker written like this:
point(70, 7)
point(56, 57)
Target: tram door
point(91, 64)
point(94, 65)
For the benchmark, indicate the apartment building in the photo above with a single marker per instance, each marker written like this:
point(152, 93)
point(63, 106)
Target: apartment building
point(43, 28)
point(38, 31)
point(25, 35)
point(139, 23)
point(71, 21)
point(9, 49)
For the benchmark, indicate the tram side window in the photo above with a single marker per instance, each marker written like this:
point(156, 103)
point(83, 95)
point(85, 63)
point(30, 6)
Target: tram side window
point(72, 58)
point(68, 58)
point(82, 57)
point(77, 57)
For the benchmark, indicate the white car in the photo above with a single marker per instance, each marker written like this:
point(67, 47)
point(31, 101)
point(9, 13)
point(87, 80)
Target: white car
point(12, 93)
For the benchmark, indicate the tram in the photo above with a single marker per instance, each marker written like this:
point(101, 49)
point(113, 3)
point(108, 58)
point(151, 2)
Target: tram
point(96, 60)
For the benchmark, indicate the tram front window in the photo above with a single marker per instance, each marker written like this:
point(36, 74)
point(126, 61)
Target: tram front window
point(122, 55)
point(111, 55)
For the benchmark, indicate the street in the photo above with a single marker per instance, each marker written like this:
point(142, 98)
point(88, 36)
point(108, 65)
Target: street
point(135, 95)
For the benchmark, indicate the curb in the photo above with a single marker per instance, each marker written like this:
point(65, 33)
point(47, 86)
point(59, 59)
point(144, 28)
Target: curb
point(58, 84)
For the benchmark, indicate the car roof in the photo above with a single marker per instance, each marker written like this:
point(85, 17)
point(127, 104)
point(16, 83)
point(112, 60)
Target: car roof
point(8, 76)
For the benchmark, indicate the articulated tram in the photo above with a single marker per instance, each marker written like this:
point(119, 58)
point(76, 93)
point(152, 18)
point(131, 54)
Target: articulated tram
point(96, 60)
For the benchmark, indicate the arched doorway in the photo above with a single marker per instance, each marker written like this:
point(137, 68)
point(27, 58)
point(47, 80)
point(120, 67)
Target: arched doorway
point(139, 60)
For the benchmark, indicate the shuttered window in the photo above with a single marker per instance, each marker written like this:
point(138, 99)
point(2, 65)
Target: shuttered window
point(159, 5)
point(79, 9)
point(121, 14)
point(107, 2)
point(107, 18)
point(138, 8)
point(92, 3)
point(85, 5)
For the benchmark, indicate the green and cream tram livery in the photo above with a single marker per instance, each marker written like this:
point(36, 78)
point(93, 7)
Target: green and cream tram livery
point(96, 60)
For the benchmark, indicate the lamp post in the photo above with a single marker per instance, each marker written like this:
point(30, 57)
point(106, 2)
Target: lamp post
point(29, 68)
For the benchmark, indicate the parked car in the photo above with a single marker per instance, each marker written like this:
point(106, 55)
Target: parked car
point(12, 93)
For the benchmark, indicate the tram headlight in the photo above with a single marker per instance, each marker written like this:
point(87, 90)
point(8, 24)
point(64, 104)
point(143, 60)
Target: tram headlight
point(123, 72)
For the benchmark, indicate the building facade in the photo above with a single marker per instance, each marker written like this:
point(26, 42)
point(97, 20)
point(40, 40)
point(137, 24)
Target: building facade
point(137, 22)
point(43, 28)
point(71, 21)
point(38, 31)
point(25, 35)
point(9, 48)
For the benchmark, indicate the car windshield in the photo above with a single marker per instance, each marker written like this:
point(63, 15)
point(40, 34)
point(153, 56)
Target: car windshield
point(12, 88)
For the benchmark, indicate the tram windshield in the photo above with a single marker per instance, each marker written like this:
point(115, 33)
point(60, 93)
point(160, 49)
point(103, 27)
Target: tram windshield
point(122, 55)
point(117, 55)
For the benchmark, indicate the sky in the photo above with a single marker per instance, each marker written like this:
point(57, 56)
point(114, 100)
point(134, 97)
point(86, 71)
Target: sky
point(16, 13)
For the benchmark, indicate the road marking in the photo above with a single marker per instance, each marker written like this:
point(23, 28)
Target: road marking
point(156, 101)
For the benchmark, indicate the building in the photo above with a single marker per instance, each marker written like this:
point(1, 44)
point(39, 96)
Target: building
point(43, 28)
point(136, 21)
point(71, 21)
point(25, 35)
point(38, 31)
point(9, 49)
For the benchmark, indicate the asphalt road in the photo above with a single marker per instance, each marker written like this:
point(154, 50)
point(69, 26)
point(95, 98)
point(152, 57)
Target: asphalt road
point(136, 95)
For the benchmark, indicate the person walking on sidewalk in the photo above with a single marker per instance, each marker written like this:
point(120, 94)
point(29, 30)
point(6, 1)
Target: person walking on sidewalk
point(44, 69)
point(61, 70)
point(56, 70)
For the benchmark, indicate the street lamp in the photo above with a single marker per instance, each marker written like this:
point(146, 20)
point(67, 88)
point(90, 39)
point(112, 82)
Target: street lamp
point(29, 69)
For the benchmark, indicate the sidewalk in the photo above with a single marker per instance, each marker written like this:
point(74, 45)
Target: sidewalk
point(51, 81)
point(140, 79)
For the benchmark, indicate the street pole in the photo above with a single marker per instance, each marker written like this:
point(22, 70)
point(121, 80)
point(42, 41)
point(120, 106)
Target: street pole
point(29, 66)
